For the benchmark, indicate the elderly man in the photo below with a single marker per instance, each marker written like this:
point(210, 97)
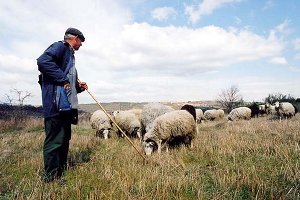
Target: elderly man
point(59, 84)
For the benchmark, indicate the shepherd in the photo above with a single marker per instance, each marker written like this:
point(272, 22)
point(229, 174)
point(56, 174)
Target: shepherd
point(59, 85)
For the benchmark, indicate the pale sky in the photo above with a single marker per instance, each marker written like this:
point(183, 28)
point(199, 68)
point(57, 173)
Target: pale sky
point(157, 50)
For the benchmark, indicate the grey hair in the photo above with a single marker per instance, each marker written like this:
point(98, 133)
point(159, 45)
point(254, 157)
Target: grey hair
point(68, 36)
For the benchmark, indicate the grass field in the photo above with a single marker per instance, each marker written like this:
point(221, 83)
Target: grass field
point(256, 159)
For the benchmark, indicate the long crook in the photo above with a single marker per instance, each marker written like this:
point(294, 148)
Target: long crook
point(123, 133)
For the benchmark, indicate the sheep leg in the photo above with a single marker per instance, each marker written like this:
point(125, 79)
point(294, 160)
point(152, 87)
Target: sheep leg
point(159, 146)
point(139, 134)
point(164, 146)
point(192, 145)
point(167, 148)
point(105, 134)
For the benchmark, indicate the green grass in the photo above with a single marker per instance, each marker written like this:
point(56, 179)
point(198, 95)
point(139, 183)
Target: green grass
point(256, 159)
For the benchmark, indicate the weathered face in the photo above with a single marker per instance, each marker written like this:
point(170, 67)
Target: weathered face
point(148, 147)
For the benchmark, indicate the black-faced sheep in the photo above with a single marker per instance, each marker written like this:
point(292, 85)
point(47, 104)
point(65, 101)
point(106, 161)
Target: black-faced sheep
point(101, 122)
point(149, 113)
point(170, 128)
point(240, 113)
point(254, 107)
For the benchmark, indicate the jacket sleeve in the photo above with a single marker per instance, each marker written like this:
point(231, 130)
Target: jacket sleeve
point(48, 63)
point(78, 89)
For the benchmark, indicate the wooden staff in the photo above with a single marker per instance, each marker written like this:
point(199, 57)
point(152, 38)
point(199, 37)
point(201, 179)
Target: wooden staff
point(123, 133)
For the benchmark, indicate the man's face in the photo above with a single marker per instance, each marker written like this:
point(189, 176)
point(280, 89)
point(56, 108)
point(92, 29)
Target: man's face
point(77, 43)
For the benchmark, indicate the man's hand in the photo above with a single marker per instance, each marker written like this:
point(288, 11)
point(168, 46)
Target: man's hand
point(67, 86)
point(83, 85)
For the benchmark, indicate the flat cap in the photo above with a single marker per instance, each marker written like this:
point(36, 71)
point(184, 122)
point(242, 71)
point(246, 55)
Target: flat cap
point(75, 32)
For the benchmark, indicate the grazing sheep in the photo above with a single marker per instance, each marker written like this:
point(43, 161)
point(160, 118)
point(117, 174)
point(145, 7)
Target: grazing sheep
point(101, 122)
point(128, 122)
point(220, 113)
point(284, 109)
point(211, 114)
point(170, 128)
point(199, 115)
point(149, 113)
point(240, 113)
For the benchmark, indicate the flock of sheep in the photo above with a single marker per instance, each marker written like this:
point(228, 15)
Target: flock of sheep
point(159, 126)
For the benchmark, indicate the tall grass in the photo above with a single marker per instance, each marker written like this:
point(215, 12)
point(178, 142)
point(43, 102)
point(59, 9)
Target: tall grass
point(256, 159)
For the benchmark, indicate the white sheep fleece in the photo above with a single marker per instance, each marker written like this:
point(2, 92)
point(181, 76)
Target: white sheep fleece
point(211, 114)
point(172, 124)
point(220, 113)
point(99, 120)
point(150, 112)
point(127, 121)
point(285, 109)
point(240, 113)
point(199, 115)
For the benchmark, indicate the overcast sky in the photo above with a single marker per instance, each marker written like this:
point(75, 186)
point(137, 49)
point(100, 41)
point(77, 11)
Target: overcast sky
point(157, 50)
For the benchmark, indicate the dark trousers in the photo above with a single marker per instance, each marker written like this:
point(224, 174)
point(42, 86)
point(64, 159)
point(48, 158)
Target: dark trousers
point(56, 146)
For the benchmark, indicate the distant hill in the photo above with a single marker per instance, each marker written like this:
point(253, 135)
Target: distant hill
point(112, 106)
point(8, 111)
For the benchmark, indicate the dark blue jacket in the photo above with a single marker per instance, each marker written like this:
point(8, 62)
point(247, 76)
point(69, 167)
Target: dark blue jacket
point(52, 64)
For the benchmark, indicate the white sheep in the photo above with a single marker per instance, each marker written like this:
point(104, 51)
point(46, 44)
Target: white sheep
point(137, 112)
point(240, 113)
point(211, 114)
point(270, 109)
point(284, 109)
point(172, 127)
point(101, 122)
point(220, 113)
point(199, 115)
point(150, 112)
point(128, 122)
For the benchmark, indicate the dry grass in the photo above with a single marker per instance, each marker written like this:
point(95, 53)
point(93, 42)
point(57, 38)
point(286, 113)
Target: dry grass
point(256, 159)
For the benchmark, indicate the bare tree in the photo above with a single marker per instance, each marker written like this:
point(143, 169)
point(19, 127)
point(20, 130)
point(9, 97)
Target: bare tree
point(21, 96)
point(9, 99)
point(230, 98)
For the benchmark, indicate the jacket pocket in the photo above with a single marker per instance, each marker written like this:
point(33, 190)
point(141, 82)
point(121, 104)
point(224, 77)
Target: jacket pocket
point(62, 100)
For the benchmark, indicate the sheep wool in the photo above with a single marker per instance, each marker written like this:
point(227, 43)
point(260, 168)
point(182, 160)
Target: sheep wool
point(240, 113)
point(270, 109)
point(150, 112)
point(285, 109)
point(137, 112)
point(220, 113)
point(128, 122)
point(101, 122)
point(199, 115)
point(211, 114)
point(174, 124)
